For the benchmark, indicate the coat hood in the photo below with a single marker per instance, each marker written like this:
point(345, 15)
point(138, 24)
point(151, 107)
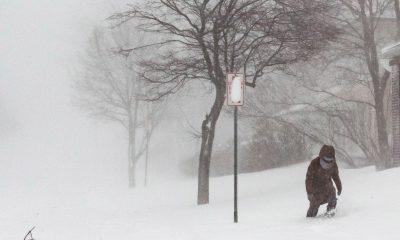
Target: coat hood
point(327, 156)
point(327, 151)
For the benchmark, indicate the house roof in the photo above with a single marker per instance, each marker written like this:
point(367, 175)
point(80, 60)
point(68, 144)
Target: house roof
point(391, 51)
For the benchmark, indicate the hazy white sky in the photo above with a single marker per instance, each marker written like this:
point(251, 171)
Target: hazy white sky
point(43, 138)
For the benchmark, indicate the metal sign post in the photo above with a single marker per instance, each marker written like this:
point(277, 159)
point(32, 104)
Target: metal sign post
point(235, 172)
point(235, 97)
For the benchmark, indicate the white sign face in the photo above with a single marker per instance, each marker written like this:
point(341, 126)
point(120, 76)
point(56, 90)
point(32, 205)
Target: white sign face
point(235, 89)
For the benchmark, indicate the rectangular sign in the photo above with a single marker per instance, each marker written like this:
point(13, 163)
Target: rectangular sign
point(235, 89)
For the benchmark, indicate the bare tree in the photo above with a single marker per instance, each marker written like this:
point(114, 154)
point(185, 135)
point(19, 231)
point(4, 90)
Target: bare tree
point(352, 67)
point(111, 89)
point(361, 21)
point(317, 116)
point(396, 5)
point(204, 40)
point(349, 103)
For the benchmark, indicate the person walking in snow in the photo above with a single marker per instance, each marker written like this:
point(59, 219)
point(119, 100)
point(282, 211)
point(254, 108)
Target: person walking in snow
point(320, 190)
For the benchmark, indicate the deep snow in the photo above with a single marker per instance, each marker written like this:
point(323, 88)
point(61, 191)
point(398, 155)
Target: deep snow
point(272, 205)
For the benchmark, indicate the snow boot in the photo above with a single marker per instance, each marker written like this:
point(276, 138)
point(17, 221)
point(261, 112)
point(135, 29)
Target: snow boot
point(312, 212)
point(331, 213)
point(331, 208)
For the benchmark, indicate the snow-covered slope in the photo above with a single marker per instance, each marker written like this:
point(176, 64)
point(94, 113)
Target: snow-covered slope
point(272, 205)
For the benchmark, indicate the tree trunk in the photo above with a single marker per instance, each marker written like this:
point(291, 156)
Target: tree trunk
point(372, 60)
point(383, 142)
point(208, 132)
point(131, 161)
point(131, 174)
point(397, 12)
point(146, 169)
point(132, 158)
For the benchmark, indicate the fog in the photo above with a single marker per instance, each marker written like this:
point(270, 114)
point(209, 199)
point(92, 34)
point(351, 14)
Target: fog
point(46, 142)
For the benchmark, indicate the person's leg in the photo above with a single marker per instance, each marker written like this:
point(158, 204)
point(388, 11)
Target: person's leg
point(331, 201)
point(314, 206)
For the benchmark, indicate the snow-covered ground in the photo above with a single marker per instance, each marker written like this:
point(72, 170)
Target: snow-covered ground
point(272, 205)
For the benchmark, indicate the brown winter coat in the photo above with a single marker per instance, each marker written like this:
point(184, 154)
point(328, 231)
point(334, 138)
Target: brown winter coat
point(319, 180)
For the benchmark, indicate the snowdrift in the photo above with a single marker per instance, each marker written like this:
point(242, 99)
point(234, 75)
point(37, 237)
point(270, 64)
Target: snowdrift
point(272, 205)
